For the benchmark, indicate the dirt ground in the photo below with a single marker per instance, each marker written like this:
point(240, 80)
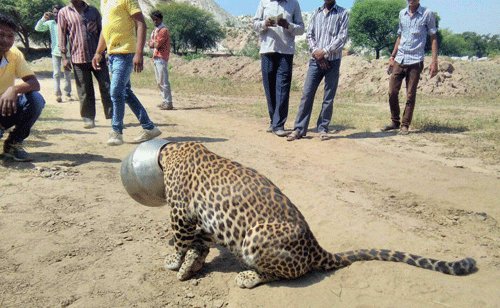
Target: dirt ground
point(71, 236)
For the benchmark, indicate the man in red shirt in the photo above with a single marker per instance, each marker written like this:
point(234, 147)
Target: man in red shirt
point(160, 44)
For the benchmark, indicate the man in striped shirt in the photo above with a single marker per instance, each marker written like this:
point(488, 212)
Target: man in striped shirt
point(407, 60)
point(48, 22)
point(80, 25)
point(327, 35)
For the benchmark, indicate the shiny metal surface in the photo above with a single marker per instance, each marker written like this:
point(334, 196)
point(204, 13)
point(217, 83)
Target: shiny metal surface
point(141, 174)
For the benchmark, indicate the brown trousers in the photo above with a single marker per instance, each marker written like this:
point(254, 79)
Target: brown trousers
point(411, 74)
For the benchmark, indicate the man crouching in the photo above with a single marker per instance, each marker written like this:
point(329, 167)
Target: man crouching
point(20, 104)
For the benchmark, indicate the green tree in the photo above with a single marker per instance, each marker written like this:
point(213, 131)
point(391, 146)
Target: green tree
point(477, 44)
point(190, 27)
point(27, 13)
point(453, 44)
point(374, 23)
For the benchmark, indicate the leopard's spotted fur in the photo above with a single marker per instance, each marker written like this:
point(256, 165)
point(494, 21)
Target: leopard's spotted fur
point(216, 200)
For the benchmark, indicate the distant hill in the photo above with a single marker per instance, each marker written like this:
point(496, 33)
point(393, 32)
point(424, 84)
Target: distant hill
point(208, 5)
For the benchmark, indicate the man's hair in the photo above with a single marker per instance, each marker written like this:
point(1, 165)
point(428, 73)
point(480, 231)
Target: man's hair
point(57, 7)
point(7, 21)
point(156, 14)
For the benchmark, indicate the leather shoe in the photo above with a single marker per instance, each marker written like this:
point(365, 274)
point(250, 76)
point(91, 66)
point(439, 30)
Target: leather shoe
point(280, 133)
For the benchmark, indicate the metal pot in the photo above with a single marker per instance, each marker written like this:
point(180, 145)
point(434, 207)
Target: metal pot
point(142, 175)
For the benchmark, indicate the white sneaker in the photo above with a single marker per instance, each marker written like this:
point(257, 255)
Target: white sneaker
point(147, 134)
point(115, 138)
point(88, 123)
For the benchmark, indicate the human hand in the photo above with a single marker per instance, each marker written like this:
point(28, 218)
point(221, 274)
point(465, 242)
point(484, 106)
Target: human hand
point(319, 54)
point(138, 62)
point(96, 61)
point(390, 65)
point(270, 22)
point(433, 69)
point(8, 102)
point(47, 15)
point(67, 64)
point(282, 22)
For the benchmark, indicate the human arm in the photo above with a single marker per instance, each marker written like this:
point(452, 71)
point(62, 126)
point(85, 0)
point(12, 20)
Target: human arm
point(42, 25)
point(434, 63)
point(260, 23)
point(62, 30)
point(340, 38)
point(393, 55)
point(101, 46)
point(140, 25)
point(8, 100)
point(296, 25)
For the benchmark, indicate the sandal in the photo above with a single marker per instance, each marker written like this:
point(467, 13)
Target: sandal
point(323, 136)
point(293, 136)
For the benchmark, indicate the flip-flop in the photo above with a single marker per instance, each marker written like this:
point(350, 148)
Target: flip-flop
point(293, 136)
point(323, 136)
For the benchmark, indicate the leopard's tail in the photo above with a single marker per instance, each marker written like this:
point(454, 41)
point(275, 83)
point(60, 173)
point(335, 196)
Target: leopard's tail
point(329, 261)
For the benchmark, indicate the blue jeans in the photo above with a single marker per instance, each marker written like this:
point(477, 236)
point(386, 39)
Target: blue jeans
point(57, 74)
point(29, 108)
point(277, 80)
point(121, 67)
point(314, 76)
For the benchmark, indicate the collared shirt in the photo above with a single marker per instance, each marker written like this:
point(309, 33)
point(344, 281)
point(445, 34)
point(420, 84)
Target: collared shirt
point(328, 31)
point(278, 39)
point(413, 31)
point(161, 36)
point(80, 30)
point(50, 25)
point(118, 27)
point(13, 66)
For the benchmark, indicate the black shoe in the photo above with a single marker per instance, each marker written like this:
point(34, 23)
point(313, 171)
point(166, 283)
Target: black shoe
point(281, 133)
point(389, 127)
point(16, 152)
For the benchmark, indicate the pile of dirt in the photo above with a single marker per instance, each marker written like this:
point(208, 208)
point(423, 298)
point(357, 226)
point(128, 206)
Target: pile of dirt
point(455, 78)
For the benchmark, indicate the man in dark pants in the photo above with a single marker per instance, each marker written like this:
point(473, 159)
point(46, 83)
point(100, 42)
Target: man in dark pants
point(20, 104)
point(327, 35)
point(407, 61)
point(278, 22)
point(80, 24)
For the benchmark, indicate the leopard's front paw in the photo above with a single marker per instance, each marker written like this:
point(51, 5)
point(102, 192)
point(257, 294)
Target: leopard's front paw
point(173, 262)
point(193, 262)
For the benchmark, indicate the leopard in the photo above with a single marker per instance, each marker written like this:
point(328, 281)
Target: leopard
point(216, 201)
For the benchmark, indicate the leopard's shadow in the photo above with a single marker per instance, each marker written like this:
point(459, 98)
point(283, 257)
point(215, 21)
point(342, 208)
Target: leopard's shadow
point(225, 262)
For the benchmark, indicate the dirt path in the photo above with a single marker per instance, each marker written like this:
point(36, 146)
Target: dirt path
point(71, 236)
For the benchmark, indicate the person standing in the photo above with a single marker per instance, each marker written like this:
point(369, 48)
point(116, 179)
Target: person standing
point(80, 25)
point(407, 61)
point(124, 36)
point(48, 22)
point(20, 104)
point(160, 44)
point(278, 22)
point(326, 36)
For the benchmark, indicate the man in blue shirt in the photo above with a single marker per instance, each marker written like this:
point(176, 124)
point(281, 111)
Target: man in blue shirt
point(407, 60)
point(326, 36)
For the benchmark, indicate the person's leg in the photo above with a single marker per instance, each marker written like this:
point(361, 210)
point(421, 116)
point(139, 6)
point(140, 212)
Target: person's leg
point(269, 69)
point(56, 74)
point(29, 108)
point(283, 85)
point(104, 82)
point(331, 83)
point(120, 75)
point(313, 79)
point(395, 81)
point(161, 71)
point(412, 79)
point(67, 77)
point(85, 88)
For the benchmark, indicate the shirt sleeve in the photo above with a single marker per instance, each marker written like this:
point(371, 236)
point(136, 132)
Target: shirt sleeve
point(162, 38)
point(62, 25)
point(41, 26)
point(259, 24)
point(431, 24)
point(340, 37)
point(311, 34)
point(297, 24)
point(132, 7)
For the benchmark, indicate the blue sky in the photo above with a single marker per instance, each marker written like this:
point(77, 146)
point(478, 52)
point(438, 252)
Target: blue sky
point(480, 16)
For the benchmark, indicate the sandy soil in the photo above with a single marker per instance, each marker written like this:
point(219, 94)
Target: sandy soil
point(71, 236)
